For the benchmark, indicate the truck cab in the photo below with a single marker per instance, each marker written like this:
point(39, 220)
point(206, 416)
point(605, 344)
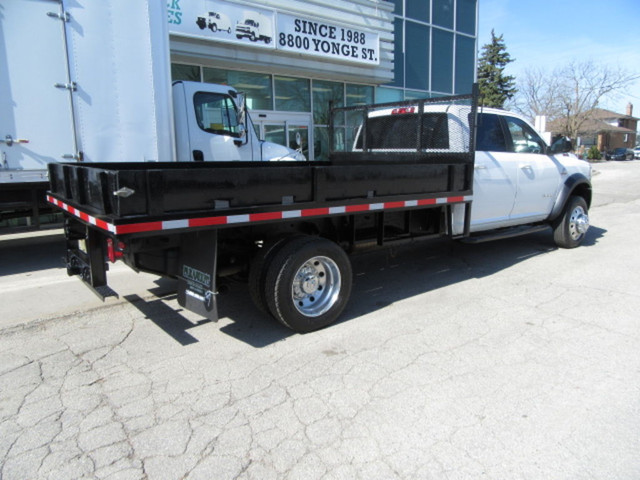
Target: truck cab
point(212, 123)
point(518, 179)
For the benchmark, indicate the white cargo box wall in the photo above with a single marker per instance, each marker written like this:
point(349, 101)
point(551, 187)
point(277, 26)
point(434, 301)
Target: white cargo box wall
point(82, 79)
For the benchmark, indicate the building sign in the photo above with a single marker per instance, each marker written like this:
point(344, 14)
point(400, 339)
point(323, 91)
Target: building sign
point(223, 21)
point(312, 37)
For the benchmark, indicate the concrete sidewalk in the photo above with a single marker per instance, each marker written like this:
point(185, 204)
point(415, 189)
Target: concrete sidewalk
point(34, 285)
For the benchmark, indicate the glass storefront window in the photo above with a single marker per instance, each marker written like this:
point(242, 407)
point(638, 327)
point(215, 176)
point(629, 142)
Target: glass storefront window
point(292, 94)
point(417, 56)
point(397, 9)
point(442, 61)
point(356, 95)
point(275, 134)
point(299, 133)
point(386, 95)
point(321, 143)
point(325, 92)
point(185, 72)
point(418, 9)
point(321, 140)
point(359, 95)
point(256, 86)
point(465, 63)
point(466, 16)
point(414, 94)
point(443, 13)
point(398, 53)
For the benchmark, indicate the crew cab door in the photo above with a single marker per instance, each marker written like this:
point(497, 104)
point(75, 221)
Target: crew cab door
point(494, 176)
point(538, 174)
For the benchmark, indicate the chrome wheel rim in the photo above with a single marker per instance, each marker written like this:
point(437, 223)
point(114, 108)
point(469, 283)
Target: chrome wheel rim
point(316, 286)
point(578, 223)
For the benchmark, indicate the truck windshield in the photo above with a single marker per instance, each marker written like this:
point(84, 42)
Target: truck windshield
point(400, 132)
point(216, 113)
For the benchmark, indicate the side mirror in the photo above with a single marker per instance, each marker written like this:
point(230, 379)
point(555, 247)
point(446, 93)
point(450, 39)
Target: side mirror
point(562, 145)
point(242, 135)
point(242, 117)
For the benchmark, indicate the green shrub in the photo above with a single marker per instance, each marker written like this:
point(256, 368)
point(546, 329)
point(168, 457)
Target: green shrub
point(594, 153)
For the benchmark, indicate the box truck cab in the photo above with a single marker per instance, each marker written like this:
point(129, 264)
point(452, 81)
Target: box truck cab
point(213, 124)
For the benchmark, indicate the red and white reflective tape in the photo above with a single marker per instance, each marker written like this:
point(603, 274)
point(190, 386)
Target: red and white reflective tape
point(251, 217)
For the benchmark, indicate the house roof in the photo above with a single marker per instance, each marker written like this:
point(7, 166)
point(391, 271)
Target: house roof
point(602, 114)
point(598, 123)
point(598, 126)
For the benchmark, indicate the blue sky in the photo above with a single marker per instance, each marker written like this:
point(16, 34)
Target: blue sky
point(547, 34)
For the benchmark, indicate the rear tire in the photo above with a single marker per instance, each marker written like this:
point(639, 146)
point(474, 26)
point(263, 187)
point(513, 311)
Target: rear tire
point(258, 271)
point(570, 229)
point(308, 283)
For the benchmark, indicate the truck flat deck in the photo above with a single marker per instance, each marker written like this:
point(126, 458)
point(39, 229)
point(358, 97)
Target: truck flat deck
point(148, 195)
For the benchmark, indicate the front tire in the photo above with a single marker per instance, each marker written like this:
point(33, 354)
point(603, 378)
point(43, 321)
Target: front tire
point(308, 283)
point(570, 229)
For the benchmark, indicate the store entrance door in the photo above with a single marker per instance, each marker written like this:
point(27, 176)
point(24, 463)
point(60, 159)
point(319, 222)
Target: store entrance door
point(292, 129)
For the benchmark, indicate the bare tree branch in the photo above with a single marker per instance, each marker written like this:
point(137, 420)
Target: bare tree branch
point(570, 94)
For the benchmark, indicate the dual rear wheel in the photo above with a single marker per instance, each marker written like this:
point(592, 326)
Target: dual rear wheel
point(304, 282)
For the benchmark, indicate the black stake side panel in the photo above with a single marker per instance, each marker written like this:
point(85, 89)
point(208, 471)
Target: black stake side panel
point(165, 191)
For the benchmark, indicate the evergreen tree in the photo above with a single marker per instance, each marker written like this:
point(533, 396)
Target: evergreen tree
point(495, 87)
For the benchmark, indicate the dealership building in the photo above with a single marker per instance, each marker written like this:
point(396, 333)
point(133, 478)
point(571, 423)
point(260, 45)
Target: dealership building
point(292, 58)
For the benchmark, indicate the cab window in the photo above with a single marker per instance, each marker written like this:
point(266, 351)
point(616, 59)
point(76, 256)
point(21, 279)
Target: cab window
point(490, 136)
point(216, 113)
point(524, 138)
point(399, 132)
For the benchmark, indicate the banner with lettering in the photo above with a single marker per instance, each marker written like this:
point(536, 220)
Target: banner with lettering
point(313, 37)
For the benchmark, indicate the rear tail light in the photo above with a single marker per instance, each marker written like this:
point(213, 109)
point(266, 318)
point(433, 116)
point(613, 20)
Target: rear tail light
point(115, 250)
point(403, 110)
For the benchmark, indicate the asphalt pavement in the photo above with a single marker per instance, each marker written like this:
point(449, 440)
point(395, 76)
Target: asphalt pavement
point(505, 360)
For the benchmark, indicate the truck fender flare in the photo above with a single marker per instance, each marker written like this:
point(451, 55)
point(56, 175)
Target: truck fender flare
point(577, 181)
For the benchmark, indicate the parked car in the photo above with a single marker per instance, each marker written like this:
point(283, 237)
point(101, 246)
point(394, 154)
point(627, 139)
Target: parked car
point(636, 152)
point(621, 154)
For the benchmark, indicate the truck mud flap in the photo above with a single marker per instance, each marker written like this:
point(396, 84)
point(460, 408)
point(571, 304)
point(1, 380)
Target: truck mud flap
point(197, 273)
point(86, 258)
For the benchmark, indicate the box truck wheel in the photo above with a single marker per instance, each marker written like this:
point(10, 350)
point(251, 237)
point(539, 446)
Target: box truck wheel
point(308, 283)
point(258, 270)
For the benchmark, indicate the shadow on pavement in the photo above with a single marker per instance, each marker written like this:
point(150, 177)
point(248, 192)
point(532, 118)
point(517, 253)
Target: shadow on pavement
point(167, 318)
point(381, 278)
point(28, 254)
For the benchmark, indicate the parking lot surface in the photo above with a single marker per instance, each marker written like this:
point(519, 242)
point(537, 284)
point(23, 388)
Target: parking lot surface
point(504, 360)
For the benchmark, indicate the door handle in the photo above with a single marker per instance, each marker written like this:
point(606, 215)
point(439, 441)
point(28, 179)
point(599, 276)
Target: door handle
point(526, 167)
point(480, 167)
point(9, 140)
